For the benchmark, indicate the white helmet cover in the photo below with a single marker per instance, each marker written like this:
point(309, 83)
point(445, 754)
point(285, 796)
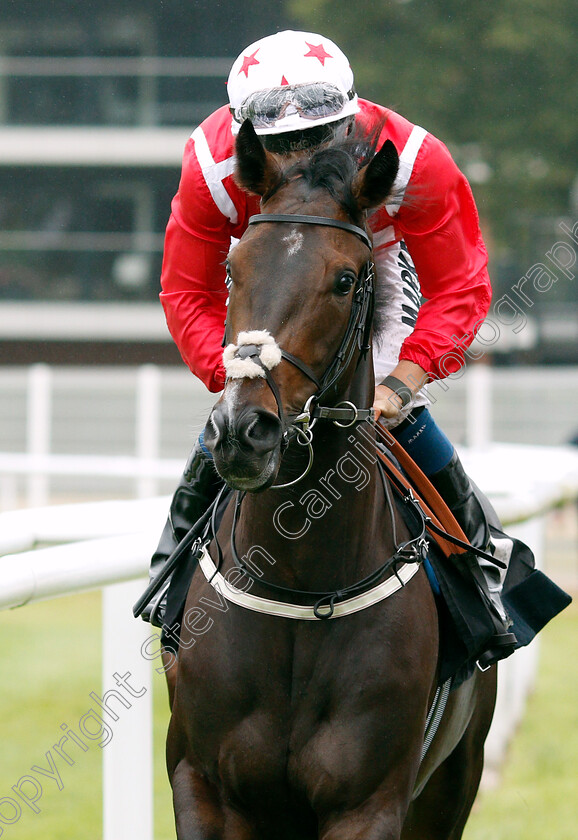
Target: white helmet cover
point(296, 67)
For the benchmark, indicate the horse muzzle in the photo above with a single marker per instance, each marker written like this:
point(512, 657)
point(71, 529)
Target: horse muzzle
point(245, 444)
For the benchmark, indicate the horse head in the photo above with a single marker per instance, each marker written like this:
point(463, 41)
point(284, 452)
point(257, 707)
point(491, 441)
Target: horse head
point(301, 298)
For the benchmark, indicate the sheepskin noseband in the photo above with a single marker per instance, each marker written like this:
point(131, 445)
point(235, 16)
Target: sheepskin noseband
point(239, 366)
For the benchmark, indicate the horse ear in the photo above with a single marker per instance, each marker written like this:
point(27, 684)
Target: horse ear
point(374, 182)
point(254, 166)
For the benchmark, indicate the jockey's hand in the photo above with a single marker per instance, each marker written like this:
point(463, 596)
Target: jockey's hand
point(387, 403)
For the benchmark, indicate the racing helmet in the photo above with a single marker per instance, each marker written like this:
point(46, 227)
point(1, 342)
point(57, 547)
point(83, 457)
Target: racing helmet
point(290, 82)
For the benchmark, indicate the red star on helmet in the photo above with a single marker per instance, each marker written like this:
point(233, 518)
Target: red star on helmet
point(248, 61)
point(317, 52)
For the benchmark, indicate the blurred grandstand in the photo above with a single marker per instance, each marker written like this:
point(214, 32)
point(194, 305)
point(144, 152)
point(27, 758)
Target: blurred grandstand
point(96, 103)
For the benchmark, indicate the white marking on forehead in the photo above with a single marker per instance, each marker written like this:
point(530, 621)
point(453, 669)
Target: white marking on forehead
point(294, 241)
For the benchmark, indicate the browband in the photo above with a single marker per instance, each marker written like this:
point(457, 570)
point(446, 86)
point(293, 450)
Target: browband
point(312, 220)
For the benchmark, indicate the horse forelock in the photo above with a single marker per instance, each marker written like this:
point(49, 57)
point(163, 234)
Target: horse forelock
point(331, 168)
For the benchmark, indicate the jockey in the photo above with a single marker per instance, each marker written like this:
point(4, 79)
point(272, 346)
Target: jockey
point(297, 89)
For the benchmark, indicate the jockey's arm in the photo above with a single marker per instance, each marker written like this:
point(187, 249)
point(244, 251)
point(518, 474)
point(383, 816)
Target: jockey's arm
point(194, 294)
point(194, 297)
point(440, 226)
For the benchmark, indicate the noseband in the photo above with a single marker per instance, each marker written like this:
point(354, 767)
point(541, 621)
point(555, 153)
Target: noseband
point(356, 335)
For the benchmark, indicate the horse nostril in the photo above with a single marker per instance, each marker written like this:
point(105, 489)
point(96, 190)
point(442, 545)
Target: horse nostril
point(216, 428)
point(255, 429)
point(259, 430)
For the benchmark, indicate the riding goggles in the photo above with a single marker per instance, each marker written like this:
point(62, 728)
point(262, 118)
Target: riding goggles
point(311, 101)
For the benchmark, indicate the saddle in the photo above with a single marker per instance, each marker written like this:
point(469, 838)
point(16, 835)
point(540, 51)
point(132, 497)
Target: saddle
point(465, 618)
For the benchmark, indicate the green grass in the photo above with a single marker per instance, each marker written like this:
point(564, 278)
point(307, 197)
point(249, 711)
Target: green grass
point(50, 662)
point(538, 795)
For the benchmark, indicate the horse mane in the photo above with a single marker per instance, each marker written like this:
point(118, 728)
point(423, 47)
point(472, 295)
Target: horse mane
point(333, 168)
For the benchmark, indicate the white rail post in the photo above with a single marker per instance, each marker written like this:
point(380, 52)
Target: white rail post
point(39, 429)
point(147, 424)
point(479, 405)
point(128, 757)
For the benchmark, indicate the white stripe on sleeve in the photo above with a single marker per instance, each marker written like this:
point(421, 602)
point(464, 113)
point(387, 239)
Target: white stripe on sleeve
point(406, 162)
point(214, 173)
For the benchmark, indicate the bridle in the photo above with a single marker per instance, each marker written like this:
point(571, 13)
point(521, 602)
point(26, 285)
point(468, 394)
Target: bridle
point(409, 553)
point(345, 414)
point(356, 337)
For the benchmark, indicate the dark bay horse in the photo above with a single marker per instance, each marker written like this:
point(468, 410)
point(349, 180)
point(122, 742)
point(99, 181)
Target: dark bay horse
point(299, 711)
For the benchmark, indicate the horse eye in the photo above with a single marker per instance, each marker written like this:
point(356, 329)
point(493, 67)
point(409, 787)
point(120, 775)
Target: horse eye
point(228, 278)
point(344, 284)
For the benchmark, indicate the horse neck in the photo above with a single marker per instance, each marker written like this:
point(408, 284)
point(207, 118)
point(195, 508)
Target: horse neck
point(336, 513)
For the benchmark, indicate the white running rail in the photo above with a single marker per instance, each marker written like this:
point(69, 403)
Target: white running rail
point(108, 545)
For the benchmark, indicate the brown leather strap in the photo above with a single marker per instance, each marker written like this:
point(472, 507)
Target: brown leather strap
point(423, 490)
